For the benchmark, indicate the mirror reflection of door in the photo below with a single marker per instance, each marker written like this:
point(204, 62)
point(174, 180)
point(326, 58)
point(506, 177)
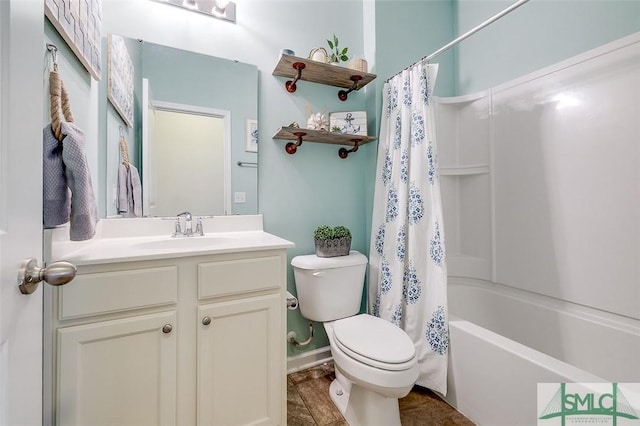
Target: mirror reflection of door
point(186, 163)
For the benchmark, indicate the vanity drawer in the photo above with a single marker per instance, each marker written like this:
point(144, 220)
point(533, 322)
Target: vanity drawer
point(107, 292)
point(228, 277)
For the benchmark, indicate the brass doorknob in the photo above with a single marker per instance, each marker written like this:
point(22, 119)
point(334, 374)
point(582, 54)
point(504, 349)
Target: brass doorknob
point(56, 273)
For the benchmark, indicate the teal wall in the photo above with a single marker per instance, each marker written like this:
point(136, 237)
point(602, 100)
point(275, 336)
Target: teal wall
point(298, 192)
point(403, 32)
point(538, 34)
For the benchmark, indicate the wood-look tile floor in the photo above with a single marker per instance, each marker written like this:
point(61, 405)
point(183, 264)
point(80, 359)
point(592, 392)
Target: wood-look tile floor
point(308, 403)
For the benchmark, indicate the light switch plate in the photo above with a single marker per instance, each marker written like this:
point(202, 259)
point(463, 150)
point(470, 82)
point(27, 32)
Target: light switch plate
point(239, 197)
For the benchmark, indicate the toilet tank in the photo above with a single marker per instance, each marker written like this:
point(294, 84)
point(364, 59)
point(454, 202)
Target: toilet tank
point(329, 288)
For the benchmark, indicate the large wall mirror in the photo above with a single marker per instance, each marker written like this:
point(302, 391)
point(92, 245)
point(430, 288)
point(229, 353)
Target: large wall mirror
point(190, 128)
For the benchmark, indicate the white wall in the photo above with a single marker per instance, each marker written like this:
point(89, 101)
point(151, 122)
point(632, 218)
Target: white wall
point(550, 202)
point(188, 146)
point(567, 183)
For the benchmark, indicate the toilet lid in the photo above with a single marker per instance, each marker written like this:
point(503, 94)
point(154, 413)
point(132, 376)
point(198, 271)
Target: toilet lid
point(374, 341)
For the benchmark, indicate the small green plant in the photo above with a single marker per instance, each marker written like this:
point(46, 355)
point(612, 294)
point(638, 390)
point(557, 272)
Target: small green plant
point(337, 55)
point(336, 129)
point(322, 233)
point(331, 242)
point(341, 232)
point(325, 233)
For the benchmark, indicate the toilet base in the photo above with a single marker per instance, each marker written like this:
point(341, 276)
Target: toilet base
point(363, 407)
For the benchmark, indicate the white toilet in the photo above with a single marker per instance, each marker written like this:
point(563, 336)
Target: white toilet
point(375, 361)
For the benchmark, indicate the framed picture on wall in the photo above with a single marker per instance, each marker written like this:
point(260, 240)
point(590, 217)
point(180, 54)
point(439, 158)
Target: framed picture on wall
point(79, 23)
point(120, 78)
point(251, 138)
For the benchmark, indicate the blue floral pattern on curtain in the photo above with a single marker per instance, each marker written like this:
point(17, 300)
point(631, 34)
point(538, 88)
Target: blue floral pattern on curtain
point(408, 276)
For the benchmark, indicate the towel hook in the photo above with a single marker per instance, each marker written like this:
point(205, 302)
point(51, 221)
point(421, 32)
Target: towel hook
point(54, 53)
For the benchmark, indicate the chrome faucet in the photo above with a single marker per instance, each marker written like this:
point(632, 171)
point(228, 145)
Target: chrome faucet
point(199, 229)
point(177, 231)
point(188, 224)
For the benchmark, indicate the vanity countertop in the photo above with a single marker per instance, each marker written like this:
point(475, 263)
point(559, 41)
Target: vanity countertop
point(128, 240)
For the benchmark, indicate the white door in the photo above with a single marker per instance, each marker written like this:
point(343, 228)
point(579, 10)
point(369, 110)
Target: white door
point(21, 105)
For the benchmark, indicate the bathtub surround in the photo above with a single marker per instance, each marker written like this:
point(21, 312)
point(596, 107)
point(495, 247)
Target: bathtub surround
point(407, 266)
point(540, 193)
point(541, 179)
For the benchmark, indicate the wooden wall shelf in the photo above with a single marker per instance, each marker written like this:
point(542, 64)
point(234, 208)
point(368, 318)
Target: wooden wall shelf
point(299, 135)
point(319, 72)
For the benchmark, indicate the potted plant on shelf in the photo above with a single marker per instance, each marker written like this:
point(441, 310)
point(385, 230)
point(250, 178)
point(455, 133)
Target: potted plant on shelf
point(332, 242)
point(337, 55)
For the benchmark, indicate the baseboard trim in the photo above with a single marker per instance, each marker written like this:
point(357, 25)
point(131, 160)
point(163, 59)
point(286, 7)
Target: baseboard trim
point(308, 359)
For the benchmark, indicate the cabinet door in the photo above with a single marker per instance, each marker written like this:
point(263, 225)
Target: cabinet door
point(240, 378)
point(120, 372)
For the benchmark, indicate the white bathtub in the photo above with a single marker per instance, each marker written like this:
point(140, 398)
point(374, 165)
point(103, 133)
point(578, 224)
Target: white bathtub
point(505, 341)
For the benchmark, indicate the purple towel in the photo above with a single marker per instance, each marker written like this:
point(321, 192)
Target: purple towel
point(84, 211)
point(56, 196)
point(129, 191)
point(67, 190)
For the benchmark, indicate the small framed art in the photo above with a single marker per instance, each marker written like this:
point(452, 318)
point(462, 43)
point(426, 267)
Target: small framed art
point(352, 123)
point(251, 138)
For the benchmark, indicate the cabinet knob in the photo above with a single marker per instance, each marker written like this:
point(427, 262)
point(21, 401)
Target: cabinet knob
point(206, 321)
point(167, 328)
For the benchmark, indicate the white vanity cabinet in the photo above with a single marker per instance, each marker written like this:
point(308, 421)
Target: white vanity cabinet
point(187, 340)
point(240, 351)
point(118, 372)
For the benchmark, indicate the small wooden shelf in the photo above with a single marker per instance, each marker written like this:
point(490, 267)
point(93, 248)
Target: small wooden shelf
point(299, 135)
point(319, 72)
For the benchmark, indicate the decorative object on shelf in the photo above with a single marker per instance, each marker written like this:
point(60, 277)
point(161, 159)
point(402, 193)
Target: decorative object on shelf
point(319, 54)
point(251, 138)
point(336, 129)
point(358, 65)
point(287, 52)
point(336, 138)
point(317, 121)
point(120, 74)
point(317, 72)
point(332, 242)
point(351, 123)
point(337, 55)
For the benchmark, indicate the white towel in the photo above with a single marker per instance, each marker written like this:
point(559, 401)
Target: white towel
point(129, 191)
point(84, 211)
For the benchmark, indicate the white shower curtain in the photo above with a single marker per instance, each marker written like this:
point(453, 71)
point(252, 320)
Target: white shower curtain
point(407, 269)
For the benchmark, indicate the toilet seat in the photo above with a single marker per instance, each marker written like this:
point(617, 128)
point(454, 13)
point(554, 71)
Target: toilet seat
point(375, 342)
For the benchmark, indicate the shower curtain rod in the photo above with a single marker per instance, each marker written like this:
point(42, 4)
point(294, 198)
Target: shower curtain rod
point(468, 34)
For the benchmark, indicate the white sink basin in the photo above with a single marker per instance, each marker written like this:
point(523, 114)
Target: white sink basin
point(181, 243)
